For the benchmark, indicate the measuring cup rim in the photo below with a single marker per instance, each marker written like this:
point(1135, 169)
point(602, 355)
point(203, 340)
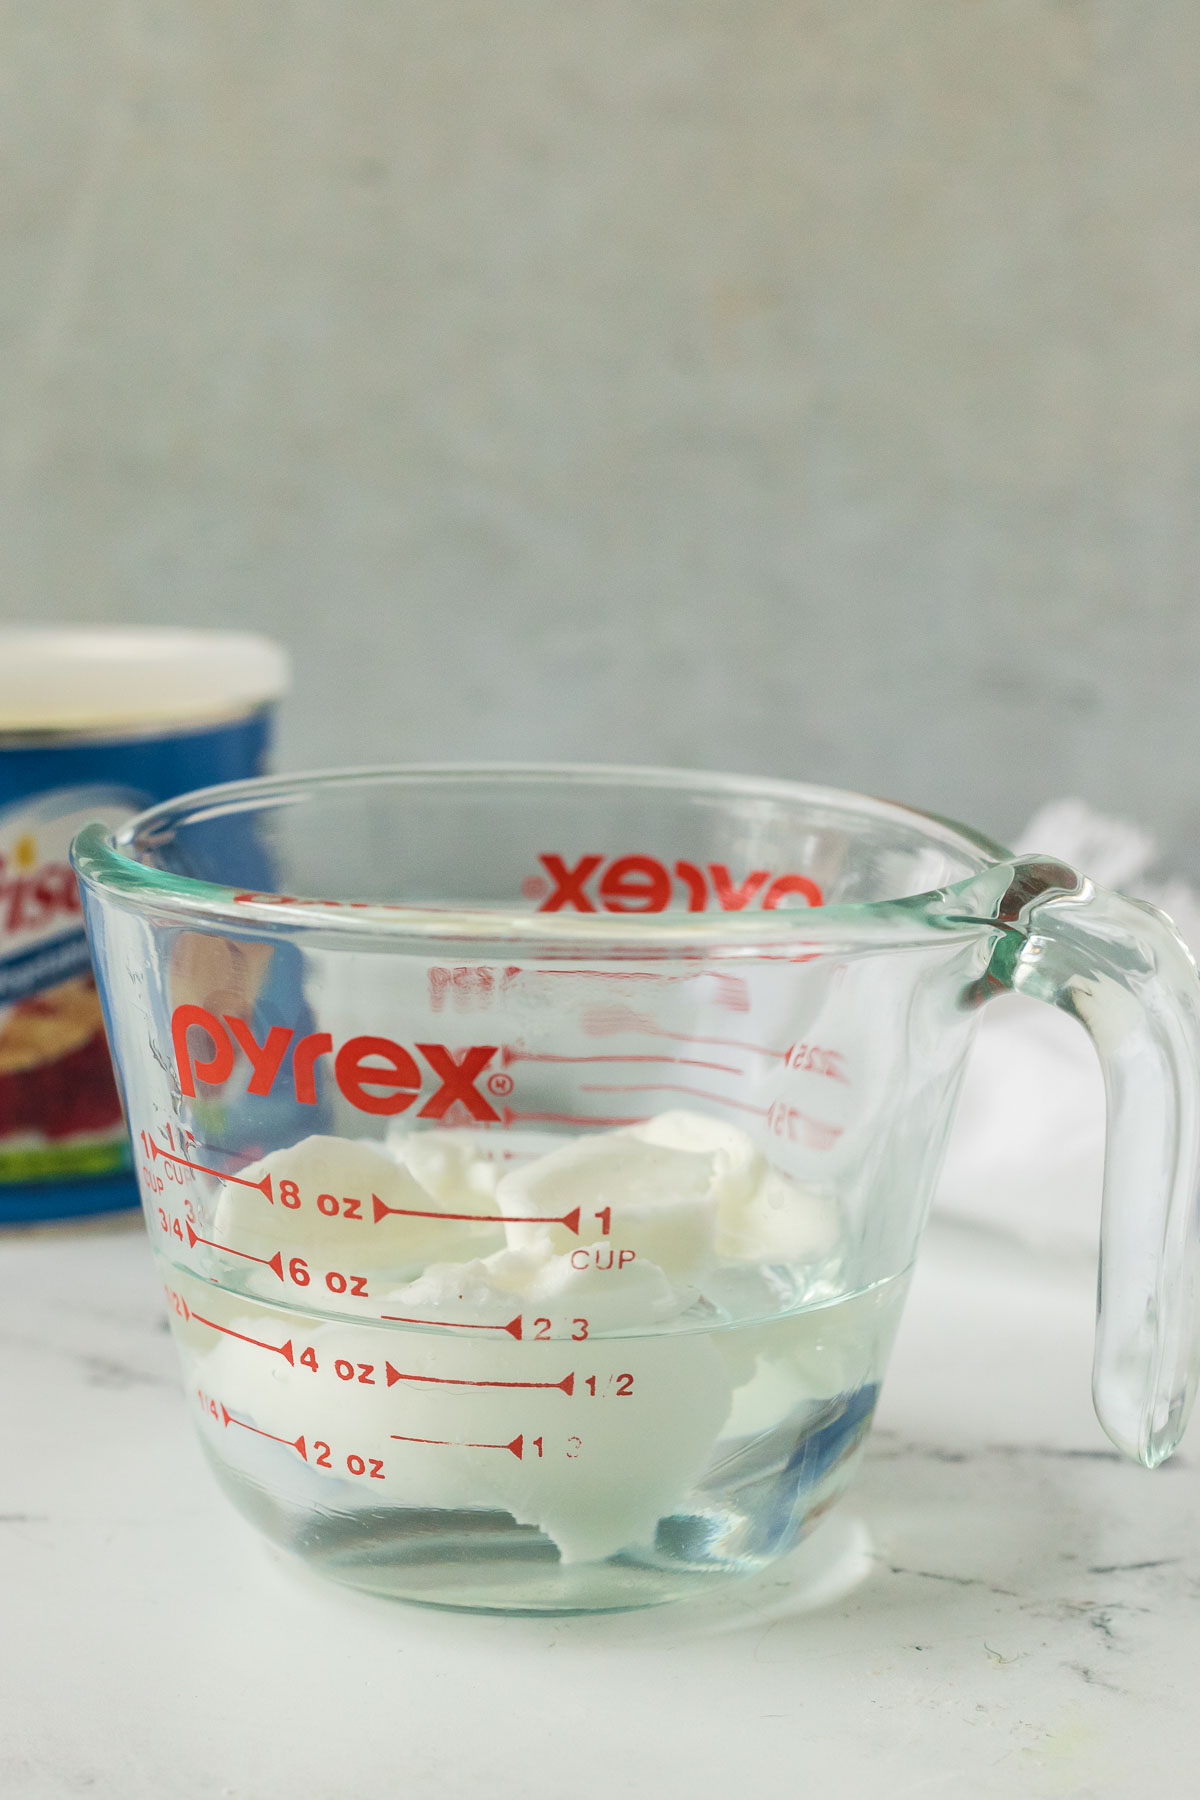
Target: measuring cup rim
point(101, 860)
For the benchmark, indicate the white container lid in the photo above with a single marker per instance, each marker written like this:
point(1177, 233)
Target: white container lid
point(105, 677)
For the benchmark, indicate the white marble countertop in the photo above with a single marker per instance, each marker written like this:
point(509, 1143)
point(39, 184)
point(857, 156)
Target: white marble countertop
point(1001, 1607)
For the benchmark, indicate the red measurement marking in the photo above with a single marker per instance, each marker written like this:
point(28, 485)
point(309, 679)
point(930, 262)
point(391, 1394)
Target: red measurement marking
point(617, 975)
point(263, 1186)
point(815, 1134)
point(731, 989)
point(517, 1446)
point(508, 1055)
point(821, 1136)
point(513, 1327)
point(530, 1118)
point(566, 1385)
point(297, 1444)
point(381, 1210)
point(268, 1262)
point(670, 1087)
point(284, 1350)
point(608, 1021)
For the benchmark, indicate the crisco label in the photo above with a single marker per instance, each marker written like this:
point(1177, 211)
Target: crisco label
point(59, 1109)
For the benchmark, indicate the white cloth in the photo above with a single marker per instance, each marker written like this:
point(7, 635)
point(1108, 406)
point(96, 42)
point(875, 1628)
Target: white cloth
point(1027, 1152)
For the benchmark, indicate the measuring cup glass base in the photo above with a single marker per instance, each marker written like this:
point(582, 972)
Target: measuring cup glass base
point(750, 1428)
point(476, 1561)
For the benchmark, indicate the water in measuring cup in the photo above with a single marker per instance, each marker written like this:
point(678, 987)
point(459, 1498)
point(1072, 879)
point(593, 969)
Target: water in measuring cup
point(535, 1423)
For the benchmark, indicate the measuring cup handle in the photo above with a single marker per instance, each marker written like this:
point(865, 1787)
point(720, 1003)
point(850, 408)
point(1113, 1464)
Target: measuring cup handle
point(1120, 967)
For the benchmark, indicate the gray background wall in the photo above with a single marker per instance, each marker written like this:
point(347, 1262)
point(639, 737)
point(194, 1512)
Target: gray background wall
point(781, 385)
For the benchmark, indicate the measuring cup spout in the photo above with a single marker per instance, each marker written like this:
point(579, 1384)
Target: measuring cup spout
point(1120, 968)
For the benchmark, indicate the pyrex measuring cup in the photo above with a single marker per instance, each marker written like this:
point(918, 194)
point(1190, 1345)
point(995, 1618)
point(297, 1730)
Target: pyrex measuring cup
point(535, 1158)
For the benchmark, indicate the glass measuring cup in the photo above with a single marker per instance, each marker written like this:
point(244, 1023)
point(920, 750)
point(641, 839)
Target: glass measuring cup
point(535, 1158)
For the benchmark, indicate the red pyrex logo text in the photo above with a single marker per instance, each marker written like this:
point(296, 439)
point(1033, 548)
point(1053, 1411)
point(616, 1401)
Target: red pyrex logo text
point(361, 1064)
point(643, 884)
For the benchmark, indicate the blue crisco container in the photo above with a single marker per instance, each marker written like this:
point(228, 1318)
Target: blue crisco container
point(97, 723)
